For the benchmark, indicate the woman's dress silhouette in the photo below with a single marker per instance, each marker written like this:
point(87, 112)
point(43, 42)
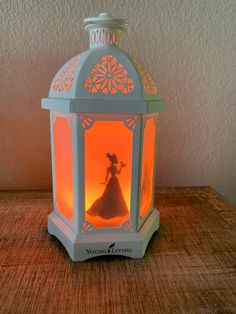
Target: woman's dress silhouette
point(111, 204)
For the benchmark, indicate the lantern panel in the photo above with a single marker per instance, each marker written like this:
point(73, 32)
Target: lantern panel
point(149, 84)
point(64, 81)
point(63, 167)
point(109, 77)
point(108, 168)
point(149, 139)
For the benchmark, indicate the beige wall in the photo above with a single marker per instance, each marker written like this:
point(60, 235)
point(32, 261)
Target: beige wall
point(190, 47)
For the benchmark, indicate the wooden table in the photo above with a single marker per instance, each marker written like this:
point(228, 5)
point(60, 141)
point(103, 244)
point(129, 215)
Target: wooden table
point(189, 266)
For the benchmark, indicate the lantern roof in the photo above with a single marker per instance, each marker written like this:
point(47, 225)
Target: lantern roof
point(104, 73)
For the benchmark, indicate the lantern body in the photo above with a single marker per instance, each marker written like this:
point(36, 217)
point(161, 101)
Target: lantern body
point(103, 117)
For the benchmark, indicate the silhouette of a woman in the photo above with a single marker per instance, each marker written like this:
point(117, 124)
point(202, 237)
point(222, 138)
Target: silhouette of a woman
point(111, 204)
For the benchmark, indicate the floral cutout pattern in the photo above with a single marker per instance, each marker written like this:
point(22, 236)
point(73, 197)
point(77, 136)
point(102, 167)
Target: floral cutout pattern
point(149, 84)
point(130, 123)
point(65, 80)
point(109, 77)
point(87, 227)
point(86, 122)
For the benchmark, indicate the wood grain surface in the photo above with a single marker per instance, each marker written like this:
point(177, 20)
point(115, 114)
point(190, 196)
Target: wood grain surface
point(189, 266)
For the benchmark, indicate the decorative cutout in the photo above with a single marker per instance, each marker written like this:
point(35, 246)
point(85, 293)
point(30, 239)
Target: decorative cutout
point(86, 122)
point(127, 225)
point(130, 123)
point(149, 84)
point(109, 77)
point(87, 227)
point(105, 37)
point(65, 80)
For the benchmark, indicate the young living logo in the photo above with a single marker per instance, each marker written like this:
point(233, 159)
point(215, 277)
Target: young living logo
point(110, 250)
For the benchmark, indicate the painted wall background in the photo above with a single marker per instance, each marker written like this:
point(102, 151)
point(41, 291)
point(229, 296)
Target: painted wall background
point(189, 46)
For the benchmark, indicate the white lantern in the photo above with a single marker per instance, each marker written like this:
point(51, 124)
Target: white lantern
point(104, 108)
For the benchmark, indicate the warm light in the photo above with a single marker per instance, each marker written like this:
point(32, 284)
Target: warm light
point(102, 141)
point(148, 166)
point(63, 166)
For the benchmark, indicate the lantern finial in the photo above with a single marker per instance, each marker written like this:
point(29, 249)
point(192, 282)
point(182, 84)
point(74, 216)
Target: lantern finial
point(105, 29)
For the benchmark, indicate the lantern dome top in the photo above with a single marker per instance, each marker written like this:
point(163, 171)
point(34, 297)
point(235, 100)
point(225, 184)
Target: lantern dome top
point(104, 72)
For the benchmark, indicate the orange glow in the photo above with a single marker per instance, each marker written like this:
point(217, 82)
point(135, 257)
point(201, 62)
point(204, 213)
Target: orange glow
point(148, 166)
point(104, 139)
point(109, 77)
point(63, 166)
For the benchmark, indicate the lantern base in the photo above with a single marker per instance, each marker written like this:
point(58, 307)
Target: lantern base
point(84, 246)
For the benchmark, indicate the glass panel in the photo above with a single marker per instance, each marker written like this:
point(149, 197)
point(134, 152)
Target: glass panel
point(149, 139)
point(108, 164)
point(63, 166)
